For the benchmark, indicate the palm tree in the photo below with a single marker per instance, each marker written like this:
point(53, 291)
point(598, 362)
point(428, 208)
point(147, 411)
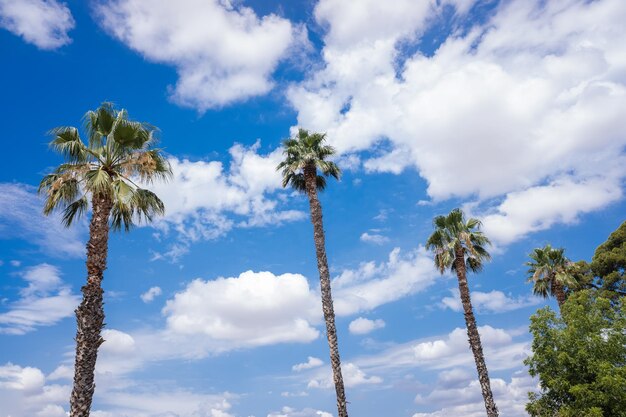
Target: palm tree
point(118, 152)
point(460, 245)
point(304, 155)
point(551, 273)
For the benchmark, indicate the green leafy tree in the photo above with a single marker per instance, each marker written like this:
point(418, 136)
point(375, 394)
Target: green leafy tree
point(459, 245)
point(607, 270)
point(579, 358)
point(304, 156)
point(551, 273)
point(102, 172)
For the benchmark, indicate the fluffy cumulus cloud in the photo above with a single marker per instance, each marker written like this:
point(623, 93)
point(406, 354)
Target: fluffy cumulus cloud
point(352, 377)
point(205, 200)
point(489, 302)
point(24, 392)
point(460, 395)
point(362, 325)
point(504, 349)
point(538, 208)
point(371, 284)
point(374, 238)
point(162, 402)
point(312, 362)
point(44, 23)
point(222, 51)
point(514, 114)
point(21, 217)
point(292, 412)
point(453, 350)
point(283, 308)
point(43, 302)
point(151, 294)
point(209, 317)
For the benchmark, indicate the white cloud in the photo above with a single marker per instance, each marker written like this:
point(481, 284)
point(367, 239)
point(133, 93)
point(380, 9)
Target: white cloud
point(150, 295)
point(61, 372)
point(536, 96)
point(24, 379)
point(492, 302)
point(209, 317)
point(352, 377)
point(463, 397)
point(501, 347)
point(24, 392)
point(311, 362)
point(362, 325)
point(538, 208)
point(292, 412)
point(164, 402)
point(205, 201)
point(376, 239)
point(44, 23)
point(454, 349)
point(288, 394)
point(21, 216)
point(372, 285)
point(44, 302)
point(283, 308)
point(222, 51)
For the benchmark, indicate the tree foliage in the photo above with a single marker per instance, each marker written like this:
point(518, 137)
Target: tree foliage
point(551, 273)
point(118, 152)
point(454, 232)
point(607, 270)
point(580, 358)
point(307, 150)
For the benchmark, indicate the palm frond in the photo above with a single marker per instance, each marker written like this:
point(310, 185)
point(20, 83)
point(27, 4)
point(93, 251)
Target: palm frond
point(119, 151)
point(68, 143)
point(121, 216)
point(75, 210)
point(146, 204)
point(60, 190)
point(98, 181)
point(548, 265)
point(307, 150)
point(329, 169)
point(452, 233)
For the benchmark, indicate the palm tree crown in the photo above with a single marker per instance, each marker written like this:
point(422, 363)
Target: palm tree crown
point(118, 153)
point(307, 152)
point(550, 271)
point(453, 233)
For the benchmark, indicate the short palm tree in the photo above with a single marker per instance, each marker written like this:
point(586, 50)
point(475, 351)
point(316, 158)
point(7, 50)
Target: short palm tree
point(104, 170)
point(304, 155)
point(460, 245)
point(551, 273)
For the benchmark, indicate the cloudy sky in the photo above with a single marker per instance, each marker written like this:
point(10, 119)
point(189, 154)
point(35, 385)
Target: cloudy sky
point(511, 109)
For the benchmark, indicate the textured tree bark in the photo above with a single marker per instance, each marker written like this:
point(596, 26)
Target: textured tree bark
point(310, 177)
point(559, 293)
point(90, 312)
point(473, 335)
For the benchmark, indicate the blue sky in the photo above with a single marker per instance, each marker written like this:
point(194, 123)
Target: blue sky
point(512, 110)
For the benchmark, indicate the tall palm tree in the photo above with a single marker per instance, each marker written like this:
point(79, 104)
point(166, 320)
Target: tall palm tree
point(118, 153)
point(460, 245)
point(304, 155)
point(551, 273)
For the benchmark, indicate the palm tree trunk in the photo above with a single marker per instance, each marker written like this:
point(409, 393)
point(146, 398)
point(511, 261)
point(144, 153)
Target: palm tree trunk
point(90, 313)
point(559, 293)
point(310, 176)
point(473, 335)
